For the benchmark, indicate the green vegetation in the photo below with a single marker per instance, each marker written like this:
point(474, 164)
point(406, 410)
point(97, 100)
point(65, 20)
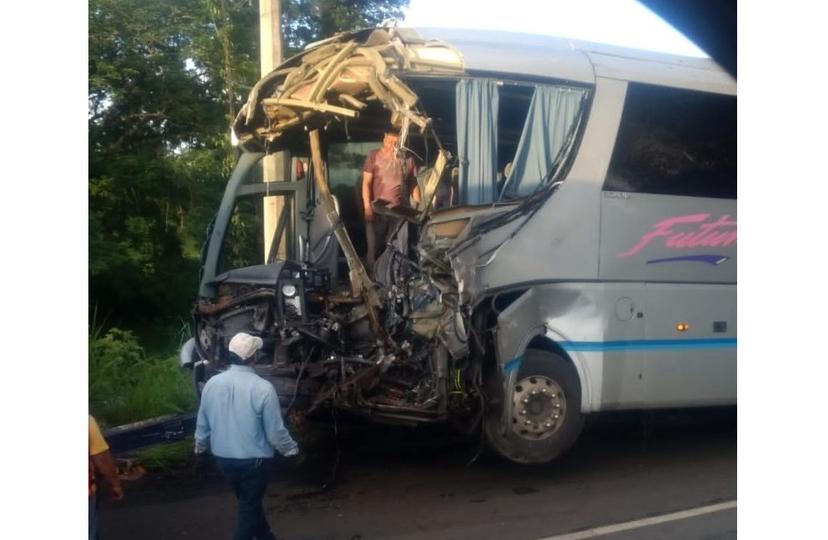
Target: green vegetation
point(126, 385)
point(167, 457)
point(166, 79)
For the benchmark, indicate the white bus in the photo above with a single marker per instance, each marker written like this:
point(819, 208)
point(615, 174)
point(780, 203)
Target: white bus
point(574, 250)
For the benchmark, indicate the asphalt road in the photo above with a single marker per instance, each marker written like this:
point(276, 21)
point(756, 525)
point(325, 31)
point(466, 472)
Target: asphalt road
point(632, 469)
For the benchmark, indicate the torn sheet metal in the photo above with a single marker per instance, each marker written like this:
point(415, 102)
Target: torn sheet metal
point(336, 79)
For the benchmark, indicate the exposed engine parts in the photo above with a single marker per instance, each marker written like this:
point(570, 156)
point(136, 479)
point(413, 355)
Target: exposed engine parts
point(322, 339)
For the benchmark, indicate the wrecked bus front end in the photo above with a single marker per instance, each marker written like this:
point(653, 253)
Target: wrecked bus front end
point(372, 345)
point(387, 351)
point(410, 342)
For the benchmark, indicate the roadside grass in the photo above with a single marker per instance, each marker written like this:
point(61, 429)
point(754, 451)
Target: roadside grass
point(127, 385)
point(168, 457)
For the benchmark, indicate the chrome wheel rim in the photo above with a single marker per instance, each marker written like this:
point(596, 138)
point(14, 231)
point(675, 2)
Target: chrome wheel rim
point(538, 407)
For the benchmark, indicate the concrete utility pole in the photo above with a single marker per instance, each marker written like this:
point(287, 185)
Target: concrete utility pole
point(270, 41)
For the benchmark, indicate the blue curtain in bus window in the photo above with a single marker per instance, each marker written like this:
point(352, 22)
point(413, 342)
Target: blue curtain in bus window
point(477, 140)
point(549, 122)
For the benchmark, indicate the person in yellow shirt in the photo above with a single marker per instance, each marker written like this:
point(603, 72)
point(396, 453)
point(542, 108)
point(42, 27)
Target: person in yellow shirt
point(100, 462)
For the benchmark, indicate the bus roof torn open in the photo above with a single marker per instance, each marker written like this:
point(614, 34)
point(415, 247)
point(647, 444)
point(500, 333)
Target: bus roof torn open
point(336, 78)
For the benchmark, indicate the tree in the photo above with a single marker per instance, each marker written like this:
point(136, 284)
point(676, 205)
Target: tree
point(306, 21)
point(166, 78)
point(157, 132)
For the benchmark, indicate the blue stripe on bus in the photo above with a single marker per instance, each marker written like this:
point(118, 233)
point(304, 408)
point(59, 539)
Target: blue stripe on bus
point(647, 344)
point(512, 364)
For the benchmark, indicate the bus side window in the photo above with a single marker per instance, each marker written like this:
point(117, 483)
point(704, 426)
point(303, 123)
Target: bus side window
point(675, 142)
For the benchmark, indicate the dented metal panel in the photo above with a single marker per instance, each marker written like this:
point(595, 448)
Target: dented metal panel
point(562, 312)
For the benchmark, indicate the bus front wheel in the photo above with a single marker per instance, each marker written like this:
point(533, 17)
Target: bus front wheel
point(546, 414)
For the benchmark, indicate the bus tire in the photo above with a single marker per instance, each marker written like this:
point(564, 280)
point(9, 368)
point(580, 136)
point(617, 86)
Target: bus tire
point(546, 412)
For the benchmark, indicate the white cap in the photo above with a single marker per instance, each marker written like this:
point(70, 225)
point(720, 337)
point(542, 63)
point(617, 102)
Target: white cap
point(244, 345)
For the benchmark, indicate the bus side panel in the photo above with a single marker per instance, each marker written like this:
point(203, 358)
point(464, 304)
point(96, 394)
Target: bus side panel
point(622, 339)
point(684, 250)
point(624, 304)
point(667, 238)
point(695, 366)
point(588, 320)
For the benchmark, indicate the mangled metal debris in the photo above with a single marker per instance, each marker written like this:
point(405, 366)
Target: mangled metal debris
point(337, 80)
point(382, 346)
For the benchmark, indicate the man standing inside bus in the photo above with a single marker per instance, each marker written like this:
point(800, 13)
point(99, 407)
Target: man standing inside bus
point(386, 176)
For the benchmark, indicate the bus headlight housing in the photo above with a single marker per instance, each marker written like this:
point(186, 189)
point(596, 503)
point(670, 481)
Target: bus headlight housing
point(289, 290)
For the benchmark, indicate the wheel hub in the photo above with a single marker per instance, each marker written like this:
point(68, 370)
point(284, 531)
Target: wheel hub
point(538, 407)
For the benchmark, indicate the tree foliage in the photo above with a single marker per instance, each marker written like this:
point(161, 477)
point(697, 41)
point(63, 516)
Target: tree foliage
point(166, 78)
point(305, 21)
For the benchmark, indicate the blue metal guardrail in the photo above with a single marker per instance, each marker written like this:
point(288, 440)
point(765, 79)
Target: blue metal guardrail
point(151, 432)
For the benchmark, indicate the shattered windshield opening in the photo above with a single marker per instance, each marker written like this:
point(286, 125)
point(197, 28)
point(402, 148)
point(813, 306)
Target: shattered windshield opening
point(243, 243)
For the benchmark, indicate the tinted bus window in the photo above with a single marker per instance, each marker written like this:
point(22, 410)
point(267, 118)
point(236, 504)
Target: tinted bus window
point(675, 142)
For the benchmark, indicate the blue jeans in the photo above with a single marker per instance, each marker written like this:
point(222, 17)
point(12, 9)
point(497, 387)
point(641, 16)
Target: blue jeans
point(249, 480)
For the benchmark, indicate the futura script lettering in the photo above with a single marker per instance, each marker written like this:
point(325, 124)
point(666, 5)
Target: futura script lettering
point(686, 232)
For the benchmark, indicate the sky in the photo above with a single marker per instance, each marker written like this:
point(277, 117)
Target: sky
point(616, 22)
